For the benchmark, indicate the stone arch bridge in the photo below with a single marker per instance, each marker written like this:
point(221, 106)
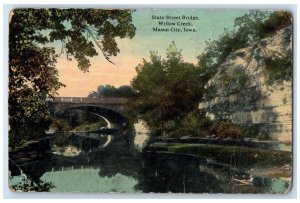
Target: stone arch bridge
point(112, 109)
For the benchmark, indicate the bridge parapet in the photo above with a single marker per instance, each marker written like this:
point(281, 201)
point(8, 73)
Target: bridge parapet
point(91, 100)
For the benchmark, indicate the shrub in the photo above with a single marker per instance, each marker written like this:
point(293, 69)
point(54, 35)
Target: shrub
point(224, 129)
point(196, 123)
point(264, 137)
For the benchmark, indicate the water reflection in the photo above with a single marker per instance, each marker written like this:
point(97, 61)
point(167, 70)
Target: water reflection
point(69, 150)
point(80, 164)
point(174, 173)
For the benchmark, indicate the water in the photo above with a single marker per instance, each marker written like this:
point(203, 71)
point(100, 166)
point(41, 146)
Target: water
point(82, 164)
point(89, 180)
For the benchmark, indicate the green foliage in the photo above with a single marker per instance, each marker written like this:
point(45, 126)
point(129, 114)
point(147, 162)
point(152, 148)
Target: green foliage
point(196, 123)
point(32, 57)
point(27, 129)
point(91, 126)
point(264, 137)
point(276, 21)
point(167, 90)
point(59, 124)
point(250, 26)
point(239, 156)
point(28, 185)
point(70, 120)
point(111, 91)
point(256, 24)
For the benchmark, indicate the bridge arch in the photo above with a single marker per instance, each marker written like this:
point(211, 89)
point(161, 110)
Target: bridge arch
point(112, 109)
point(112, 117)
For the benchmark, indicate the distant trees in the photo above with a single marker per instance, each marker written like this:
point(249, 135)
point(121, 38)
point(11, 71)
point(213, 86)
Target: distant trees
point(32, 57)
point(112, 91)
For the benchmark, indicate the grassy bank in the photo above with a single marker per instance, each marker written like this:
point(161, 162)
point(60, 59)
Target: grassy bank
point(238, 156)
point(90, 126)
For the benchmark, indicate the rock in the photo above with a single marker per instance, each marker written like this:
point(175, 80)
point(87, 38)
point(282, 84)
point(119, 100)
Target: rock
point(242, 95)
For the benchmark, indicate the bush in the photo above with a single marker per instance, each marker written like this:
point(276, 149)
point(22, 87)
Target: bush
point(264, 137)
point(225, 129)
point(196, 123)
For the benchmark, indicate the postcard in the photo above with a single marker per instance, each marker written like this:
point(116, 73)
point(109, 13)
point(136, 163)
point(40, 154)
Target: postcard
point(150, 100)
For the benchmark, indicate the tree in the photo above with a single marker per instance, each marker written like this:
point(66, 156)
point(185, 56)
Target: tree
point(32, 56)
point(250, 26)
point(126, 91)
point(111, 91)
point(104, 91)
point(249, 30)
point(167, 89)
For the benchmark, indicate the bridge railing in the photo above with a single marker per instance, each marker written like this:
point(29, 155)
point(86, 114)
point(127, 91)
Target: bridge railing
point(89, 100)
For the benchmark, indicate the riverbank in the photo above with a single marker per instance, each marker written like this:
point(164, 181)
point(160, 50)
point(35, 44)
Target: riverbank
point(244, 142)
point(254, 161)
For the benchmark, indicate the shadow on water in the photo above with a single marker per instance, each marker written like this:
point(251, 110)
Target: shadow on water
point(80, 164)
point(163, 173)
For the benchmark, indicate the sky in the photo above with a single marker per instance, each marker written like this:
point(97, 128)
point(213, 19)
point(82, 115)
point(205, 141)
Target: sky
point(209, 25)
